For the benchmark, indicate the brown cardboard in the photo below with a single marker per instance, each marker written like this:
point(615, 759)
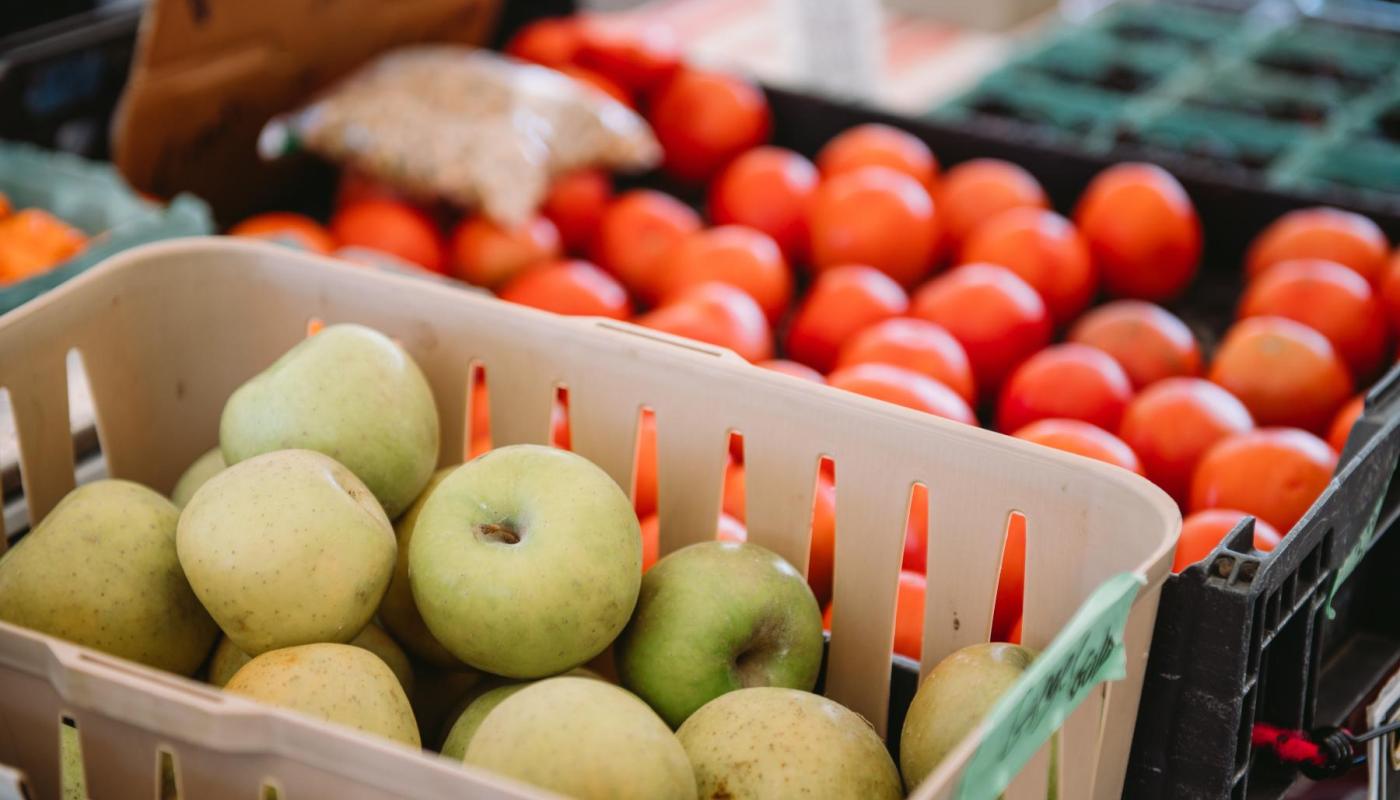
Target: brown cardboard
point(209, 73)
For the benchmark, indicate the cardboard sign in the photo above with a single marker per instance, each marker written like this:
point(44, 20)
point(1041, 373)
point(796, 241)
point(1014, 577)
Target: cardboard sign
point(1088, 651)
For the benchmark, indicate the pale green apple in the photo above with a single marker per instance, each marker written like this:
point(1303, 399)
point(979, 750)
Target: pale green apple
point(952, 699)
point(349, 392)
point(335, 682)
point(286, 548)
point(471, 716)
point(203, 468)
point(228, 659)
point(526, 561)
point(101, 570)
point(585, 739)
point(714, 617)
point(779, 743)
point(397, 610)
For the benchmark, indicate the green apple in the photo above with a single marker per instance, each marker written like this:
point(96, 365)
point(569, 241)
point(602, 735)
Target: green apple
point(471, 716)
point(526, 561)
point(714, 617)
point(335, 682)
point(203, 468)
point(286, 548)
point(397, 610)
point(101, 570)
point(779, 743)
point(228, 659)
point(349, 392)
point(586, 739)
point(952, 699)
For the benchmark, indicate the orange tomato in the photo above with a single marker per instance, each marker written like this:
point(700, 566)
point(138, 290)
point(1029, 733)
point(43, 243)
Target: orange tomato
point(767, 189)
point(1011, 582)
point(644, 486)
point(975, 191)
point(356, 186)
point(575, 205)
point(705, 119)
point(285, 227)
point(732, 254)
point(1082, 439)
point(841, 302)
point(1149, 342)
point(908, 615)
point(873, 216)
point(1067, 381)
point(1014, 636)
point(1273, 473)
point(1142, 231)
point(393, 227)
point(1390, 291)
point(822, 554)
point(794, 369)
point(6, 209)
point(877, 145)
point(1329, 298)
point(1203, 530)
point(1045, 250)
point(553, 42)
point(1284, 372)
point(903, 387)
point(575, 288)
point(1342, 424)
point(728, 530)
point(915, 344)
point(997, 317)
point(734, 498)
point(1347, 238)
point(636, 232)
point(916, 531)
point(716, 313)
point(559, 434)
point(1172, 424)
point(637, 58)
point(484, 253)
point(33, 241)
point(598, 82)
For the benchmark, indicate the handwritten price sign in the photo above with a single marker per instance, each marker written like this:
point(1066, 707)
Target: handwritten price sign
point(1087, 652)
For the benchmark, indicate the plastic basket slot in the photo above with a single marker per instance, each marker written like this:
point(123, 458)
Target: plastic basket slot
point(1310, 569)
point(168, 772)
point(1289, 595)
point(1272, 616)
point(1256, 641)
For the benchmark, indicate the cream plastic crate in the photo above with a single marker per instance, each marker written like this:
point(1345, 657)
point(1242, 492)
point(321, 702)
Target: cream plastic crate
point(167, 331)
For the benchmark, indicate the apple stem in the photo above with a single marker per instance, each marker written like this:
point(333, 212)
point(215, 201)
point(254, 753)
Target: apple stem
point(501, 533)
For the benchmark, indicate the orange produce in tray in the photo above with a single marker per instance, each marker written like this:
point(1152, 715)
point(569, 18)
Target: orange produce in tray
point(636, 233)
point(1340, 430)
point(874, 216)
point(975, 191)
point(1066, 381)
point(903, 387)
point(1082, 439)
point(640, 59)
point(1149, 342)
point(1284, 372)
point(908, 615)
point(914, 344)
point(575, 288)
point(575, 205)
point(33, 241)
point(1345, 237)
point(878, 145)
point(1203, 530)
point(1273, 473)
point(1142, 231)
point(732, 254)
point(1045, 250)
point(704, 120)
point(716, 313)
point(1172, 423)
point(394, 227)
point(767, 189)
point(485, 253)
point(841, 302)
point(286, 227)
point(553, 42)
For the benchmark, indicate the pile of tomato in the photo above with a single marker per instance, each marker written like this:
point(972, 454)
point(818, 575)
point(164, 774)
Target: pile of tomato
point(33, 241)
point(958, 292)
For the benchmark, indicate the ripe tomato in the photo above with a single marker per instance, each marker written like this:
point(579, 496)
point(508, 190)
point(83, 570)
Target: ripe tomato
point(553, 42)
point(559, 434)
point(1340, 430)
point(1284, 372)
point(598, 82)
point(908, 614)
point(903, 387)
point(703, 120)
point(393, 227)
point(1142, 230)
point(822, 554)
point(1045, 250)
point(486, 254)
point(716, 313)
point(1011, 582)
point(794, 369)
point(1068, 381)
point(873, 216)
point(636, 232)
point(997, 317)
point(637, 58)
point(842, 301)
point(356, 186)
point(1149, 342)
point(916, 531)
point(877, 145)
point(1014, 636)
point(644, 485)
point(735, 255)
point(1172, 424)
point(1203, 530)
point(575, 288)
point(1349, 239)
point(733, 499)
point(575, 205)
point(1273, 473)
point(285, 227)
point(914, 344)
point(1390, 291)
point(1329, 298)
point(728, 530)
point(767, 189)
point(1082, 439)
point(975, 191)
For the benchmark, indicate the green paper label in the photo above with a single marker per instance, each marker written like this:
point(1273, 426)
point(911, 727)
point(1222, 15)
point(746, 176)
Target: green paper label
point(1087, 652)
point(1362, 546)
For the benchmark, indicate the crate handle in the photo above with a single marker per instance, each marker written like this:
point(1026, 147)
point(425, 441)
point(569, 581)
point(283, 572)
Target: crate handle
point(666, 338)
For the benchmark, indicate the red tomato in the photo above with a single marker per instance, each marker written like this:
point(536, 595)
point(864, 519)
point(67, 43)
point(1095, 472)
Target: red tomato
point(735, 255)
point(877, 145)
point(553, 42)
point(639, 59)
point(874, 216)
point(1340, 430)
point(903, 387)
point(716, 313)
point(598, 82)
point(396, 228)
point(916, 531)
point(914, 344)
point(1349, 239)
point(1284, 372)
point(636, 232)
point(1045, 250)
point(1012, 580)
point(1142, 231)
point(908, 615)
point(1083, 439)
point(575, 288)
point(1203, 530)
point(1273, 473)
point(487, 254)
point(1069, 381)
point(997, 317)
point(297, 230)
point(705, 119)
point(1149, 342)
point(767, 189)
point(1172, 424)
point(841, 302)
point(975, 191)
point(575, 204)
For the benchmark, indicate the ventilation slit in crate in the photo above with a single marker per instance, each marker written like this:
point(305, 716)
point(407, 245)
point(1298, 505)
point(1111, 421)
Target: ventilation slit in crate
point(72, 775)
point(478, 412)
point(821, 555)
point(89, 464)
point(1011, 584)
point(734, 498)
point(559, 422)
point(12, 520)
point(168, 776)
point(644, 486)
